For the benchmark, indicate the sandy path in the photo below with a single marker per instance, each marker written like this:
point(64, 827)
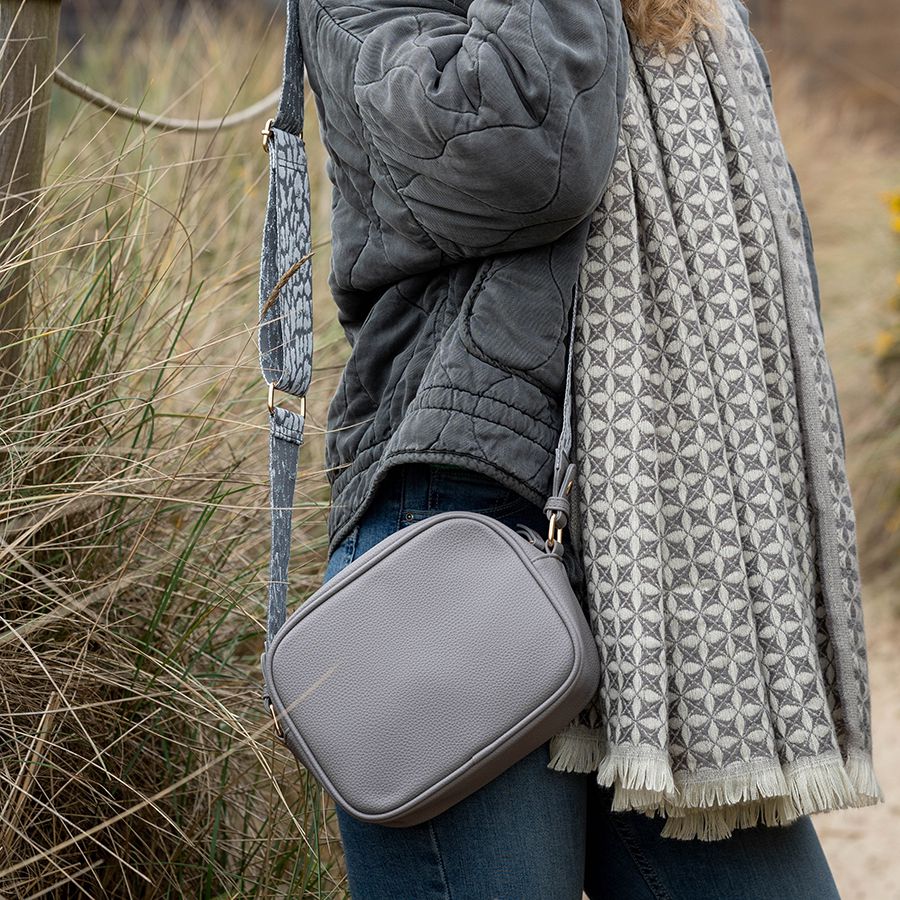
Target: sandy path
point(863, 845)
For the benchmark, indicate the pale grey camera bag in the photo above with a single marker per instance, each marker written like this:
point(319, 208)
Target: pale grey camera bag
point(445, 653)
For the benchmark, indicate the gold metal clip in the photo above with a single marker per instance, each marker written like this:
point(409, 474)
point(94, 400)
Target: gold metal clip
point(270, 401)
point(555, 534)
point(266, 134)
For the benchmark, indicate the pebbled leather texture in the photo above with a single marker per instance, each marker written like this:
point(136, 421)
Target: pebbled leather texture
point(462, 648)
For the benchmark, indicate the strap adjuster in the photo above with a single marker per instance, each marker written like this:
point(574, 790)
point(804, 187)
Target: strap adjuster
point(267, 133)
point(270, 401)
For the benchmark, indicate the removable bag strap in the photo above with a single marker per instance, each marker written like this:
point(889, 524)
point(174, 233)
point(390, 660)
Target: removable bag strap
point(285, 306)
point(285, 331)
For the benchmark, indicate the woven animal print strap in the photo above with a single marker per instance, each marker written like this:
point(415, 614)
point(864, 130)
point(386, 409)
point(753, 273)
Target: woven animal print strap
point(285, 306)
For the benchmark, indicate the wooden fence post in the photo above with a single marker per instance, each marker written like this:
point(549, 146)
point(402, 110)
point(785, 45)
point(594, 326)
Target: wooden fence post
point(28, 35)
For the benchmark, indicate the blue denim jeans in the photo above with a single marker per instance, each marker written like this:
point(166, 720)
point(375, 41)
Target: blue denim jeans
point(534, 833)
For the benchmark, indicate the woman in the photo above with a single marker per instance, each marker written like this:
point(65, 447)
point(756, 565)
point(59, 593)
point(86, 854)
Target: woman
point(471, 143)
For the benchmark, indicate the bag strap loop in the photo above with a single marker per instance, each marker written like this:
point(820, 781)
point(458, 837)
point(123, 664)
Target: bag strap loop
point(291, 105)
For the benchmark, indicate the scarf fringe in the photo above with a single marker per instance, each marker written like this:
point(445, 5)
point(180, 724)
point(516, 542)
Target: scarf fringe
point(861, 773)
point(575, 749)
point(718, 823)
point(710, 808)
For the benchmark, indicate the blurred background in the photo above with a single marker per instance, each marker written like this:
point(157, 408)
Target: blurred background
point(135, 757)
point(836, 78)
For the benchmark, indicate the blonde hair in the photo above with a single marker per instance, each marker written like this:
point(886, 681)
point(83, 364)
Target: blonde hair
point(669, 23)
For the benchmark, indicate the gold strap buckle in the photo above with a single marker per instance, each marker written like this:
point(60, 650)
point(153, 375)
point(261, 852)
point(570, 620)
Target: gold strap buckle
point(267, 133)
point(270, 401)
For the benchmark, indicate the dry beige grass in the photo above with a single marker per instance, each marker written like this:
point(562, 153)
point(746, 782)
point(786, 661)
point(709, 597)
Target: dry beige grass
point(135, 756)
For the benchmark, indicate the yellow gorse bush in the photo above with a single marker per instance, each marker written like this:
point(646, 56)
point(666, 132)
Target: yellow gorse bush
point(887, 341)
point(892, 199)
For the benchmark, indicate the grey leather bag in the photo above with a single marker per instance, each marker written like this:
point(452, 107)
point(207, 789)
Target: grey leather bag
point(445, 653)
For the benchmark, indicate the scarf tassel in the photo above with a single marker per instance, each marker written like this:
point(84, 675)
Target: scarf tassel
point(710, 809)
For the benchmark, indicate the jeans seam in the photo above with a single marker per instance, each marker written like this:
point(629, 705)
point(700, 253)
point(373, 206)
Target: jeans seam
point(352, 539)
point(437, 852)
point(497, 510)
point(432, 501)
point(657, 888)
point(509, 507)
point(401, 504)
point(409, 516)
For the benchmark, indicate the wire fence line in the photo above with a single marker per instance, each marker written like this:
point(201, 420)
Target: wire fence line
point(168, 123)
point(867, 79)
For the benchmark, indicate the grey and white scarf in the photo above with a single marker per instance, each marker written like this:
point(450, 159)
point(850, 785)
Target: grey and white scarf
point(712, 508)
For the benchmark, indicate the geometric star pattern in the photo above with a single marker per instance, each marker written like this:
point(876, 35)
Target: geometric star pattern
point(712, 507)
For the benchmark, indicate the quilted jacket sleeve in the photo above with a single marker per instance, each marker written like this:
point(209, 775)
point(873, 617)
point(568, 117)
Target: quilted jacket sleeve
point(496, 124)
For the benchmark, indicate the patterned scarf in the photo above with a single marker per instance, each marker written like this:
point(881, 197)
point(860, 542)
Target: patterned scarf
point(711, 508)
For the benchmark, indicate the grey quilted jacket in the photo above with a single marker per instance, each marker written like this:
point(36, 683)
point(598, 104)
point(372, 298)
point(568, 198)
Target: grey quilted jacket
point(469, 141)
